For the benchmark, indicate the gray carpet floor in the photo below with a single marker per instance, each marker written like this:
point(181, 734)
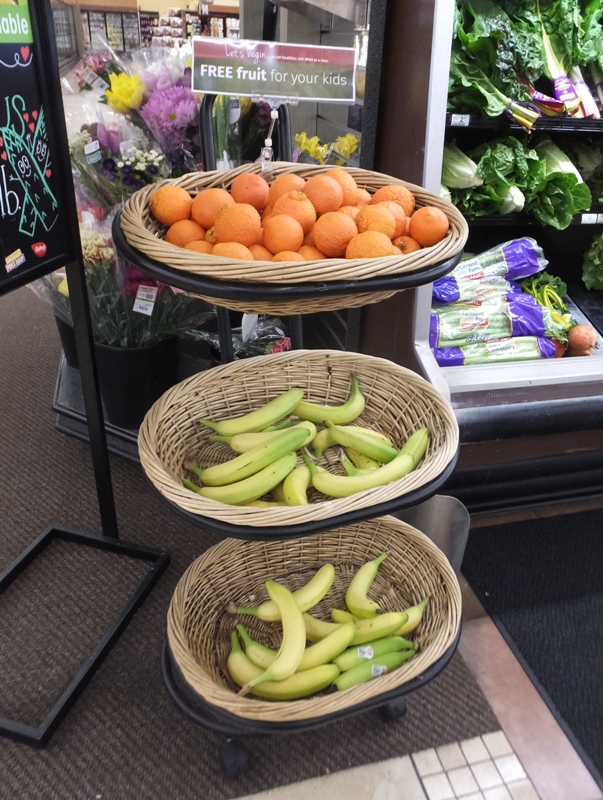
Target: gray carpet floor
point(124, 738)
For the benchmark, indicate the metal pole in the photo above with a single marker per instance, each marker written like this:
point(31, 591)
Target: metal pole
point(82, 325)
point(225, 334)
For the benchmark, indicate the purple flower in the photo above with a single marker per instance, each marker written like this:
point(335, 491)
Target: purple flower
point(108, 140)
point(168, 113)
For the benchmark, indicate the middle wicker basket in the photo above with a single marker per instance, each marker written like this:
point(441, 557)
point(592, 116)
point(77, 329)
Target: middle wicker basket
point(398, 402)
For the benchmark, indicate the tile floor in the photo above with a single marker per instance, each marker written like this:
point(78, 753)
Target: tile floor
point(530, 758)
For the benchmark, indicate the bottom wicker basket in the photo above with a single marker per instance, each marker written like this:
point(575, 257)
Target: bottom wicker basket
point(199, 626)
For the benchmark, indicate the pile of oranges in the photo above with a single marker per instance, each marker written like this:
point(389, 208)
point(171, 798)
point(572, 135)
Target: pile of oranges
point(292, 219)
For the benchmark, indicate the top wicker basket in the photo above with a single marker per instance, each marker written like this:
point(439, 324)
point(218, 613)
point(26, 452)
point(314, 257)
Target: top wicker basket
point(144, 233)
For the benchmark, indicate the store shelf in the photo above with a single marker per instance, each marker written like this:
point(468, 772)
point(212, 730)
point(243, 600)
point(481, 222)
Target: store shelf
point(458, 122)
point(593, 217)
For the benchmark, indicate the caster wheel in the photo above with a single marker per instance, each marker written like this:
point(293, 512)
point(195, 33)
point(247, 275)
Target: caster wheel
point(394, 710)
point(234, 760)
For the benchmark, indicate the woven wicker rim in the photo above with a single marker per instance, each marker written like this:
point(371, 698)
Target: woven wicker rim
point(144, 233)
point(398, 402)
point(322, 303)
point(199, 627)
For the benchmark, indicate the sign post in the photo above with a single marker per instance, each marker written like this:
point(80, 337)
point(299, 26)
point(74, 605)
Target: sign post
point(39, 233)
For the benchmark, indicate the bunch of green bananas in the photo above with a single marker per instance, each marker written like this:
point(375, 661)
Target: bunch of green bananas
point(266, 441)
point(356, 647)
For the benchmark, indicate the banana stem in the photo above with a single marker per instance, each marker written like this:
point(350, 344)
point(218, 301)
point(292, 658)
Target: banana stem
point(251, 611)
point(244, 636)
point(197, 470)
point(220, 438)
point(209, 423)
point(309, 463)
point(190, 485)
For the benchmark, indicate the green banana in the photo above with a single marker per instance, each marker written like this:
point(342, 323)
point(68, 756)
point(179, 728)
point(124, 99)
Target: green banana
point(251, 488)
point(257, 653)
point(279, 426)
point(356, 595)
point(306, 596)
point(321, 441)
point(342, 616)
point(316, 629)
point(252, 461)
point(416, 445)
point(344, 485)
point(351, 468)
point(296, 485)
point(361, 461)
point(354, 656)
point(320, 653)
point(347, 436)
point(293, 642)
point(244, 442)
point(372, 669)
point(415, 615)
point(348, 412)
point(378, 627)
point(279, 494)
point(300, 684)
point(260, 418)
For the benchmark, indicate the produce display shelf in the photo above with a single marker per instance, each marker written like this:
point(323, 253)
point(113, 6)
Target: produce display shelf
point(543, 124)
point(594, 218)
point(245, 291)
point(315, 526)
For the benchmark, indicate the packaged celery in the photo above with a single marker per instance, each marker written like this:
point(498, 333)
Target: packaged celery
point(493, 268)
point(496, 317)
point(524, 348)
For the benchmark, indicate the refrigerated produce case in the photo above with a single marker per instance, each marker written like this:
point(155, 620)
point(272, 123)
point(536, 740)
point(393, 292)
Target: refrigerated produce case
point(531, 431)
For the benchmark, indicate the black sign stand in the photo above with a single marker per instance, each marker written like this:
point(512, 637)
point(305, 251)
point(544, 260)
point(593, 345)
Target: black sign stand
point(38, 234)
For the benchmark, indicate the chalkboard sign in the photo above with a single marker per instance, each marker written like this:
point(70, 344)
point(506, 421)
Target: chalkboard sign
point(36, 207)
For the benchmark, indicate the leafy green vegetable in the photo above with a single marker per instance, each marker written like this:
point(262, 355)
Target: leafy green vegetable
point(513, 200)
point(505, 161)
point(592, 265)
point(458, 170)
point(477, 201)
point(561, 193)
point(546, 289)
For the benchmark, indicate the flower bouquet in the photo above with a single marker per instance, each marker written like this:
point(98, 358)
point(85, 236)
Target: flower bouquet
point(310, 150)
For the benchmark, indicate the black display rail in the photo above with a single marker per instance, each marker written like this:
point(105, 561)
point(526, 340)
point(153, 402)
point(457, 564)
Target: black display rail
point(38, 234)
point(543, 124)
point(592, 217)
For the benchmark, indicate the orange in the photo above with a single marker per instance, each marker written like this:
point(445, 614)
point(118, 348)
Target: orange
point(282, 233)
point(324, 193)
point(211, 237)
point(376, 218)
point(363, 198)
point(310, 253)
point(297, 205)
point(332, 233)
point(351, 211)
point(282, 184)
point(200, 246)
point(288, 255)
point(370, 244)
point(399, 215)
point(240, 223)
point(309, 239)
point(250, 188)
point(428, 225)
point(184, 232)
point(207, 204)
point(399, 194)
point(232, 250)
point(170, 204)
point(347, 183)
point(406, 244)
point(260, 253)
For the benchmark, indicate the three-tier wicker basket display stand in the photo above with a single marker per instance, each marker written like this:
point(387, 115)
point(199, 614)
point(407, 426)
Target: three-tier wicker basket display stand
point(291, 543)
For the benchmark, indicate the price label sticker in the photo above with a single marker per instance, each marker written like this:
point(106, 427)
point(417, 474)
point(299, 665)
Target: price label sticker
point(365, 652)
point(599, 219)
point(589, 219)
point(92, 147)
point(460, 120)
point(377, 670)
point(145, 300)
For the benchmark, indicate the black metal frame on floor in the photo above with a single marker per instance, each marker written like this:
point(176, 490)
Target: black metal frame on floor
point(65, 250)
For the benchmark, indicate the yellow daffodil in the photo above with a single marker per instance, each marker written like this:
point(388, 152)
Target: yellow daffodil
point(63, 288)
point(346, 145)
point(126, 93)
